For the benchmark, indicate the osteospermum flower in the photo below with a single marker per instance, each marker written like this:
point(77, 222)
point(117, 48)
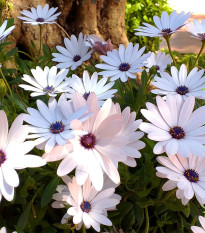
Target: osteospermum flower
point(166, 25)
point(5, 32)
point(160, 61)
point(89, 206)
point(75, 53)
point(187, 174)
point(46, 82)
point(196, 229)
point(49, 126)
point(13, 154)
point(181, 83)
point(175, 126)
point(99, 143)
point(3, 230)
point(123, 63)
point(197, 29)
point(40, 15)
point(90, 84)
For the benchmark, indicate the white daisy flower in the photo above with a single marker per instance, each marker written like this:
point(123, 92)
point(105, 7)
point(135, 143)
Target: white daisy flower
point(49, 125)
point(175, 126)
point(124, 63)
point(166, 25)
point(160, 61)
point(187, 174)
point(5, 32)
point(181, 83)
point(75, 53)
point(40, 15)
point(46, 82)
point(197, 29)
point(90, 206)
point(90, 84)
point(13, 154)
point(3, 230)
point(196, 229)
point(100, 143)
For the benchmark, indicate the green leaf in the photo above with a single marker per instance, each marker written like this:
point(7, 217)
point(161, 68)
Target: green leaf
point(24, 216)
point(124, 207)
point(49, 191)
point(12, 52)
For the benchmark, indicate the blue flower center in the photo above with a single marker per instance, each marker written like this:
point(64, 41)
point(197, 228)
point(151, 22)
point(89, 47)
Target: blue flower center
point(86, 94)
point(191, 175)
point(40, 20)
point(177, 132)
point(86, 206)
point(76, 58)
point(124, 67)
point(201, 35)
point(57, 127)
point(182, 90)
point(88, 141)
point(2, 157)
point(157, 67)
point(49, 89)
point(166, 30)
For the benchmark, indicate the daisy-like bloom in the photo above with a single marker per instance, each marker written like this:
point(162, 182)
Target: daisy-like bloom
point(98, 45)
point(166, 25)
point(46, 82)
point(75, 53)
point(5, 32)
point(196, 229)
point(3, 230)
point(90, 206)
point(175, 126)
point(40, 15)
point(197, 29)
point(123, 63)
point(13, 154)
point(186, 174)
point(100, 143)
point(49, 126)
point(181, 83)
point(159, 60)
point(90, 84)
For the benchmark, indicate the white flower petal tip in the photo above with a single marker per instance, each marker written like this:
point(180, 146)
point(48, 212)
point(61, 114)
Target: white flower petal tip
point(196, 229)
point(88, 206)
point(181, 83)
point(13, 154)
point(166, 25)
point(124, 63)
point(197, 29)
point(3, 230)
point(40, 15)
point(74, 53)
point(186, 174)
point(84, 86)
point(175, 126)
point(5, 32)
point(46, 82)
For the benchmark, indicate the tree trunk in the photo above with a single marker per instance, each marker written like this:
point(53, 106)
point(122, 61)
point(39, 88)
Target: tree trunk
point(106, 18)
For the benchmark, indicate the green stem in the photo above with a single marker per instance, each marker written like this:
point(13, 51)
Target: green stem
point(83, 229)
point(63, 30)
point(121, 89)
point(40, 40)
point(131, 90)
point(147, 220)
point(167, 38)
point(19, 51)
point(6, 83)
point(200, 52)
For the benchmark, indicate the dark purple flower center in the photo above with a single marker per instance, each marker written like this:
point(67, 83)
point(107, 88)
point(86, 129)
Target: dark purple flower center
point(86, 95)
point(86, 206)
point(124, 67)
point(57, 127)
point(166, 30)
point(201, 35)
point(191, 175)
point(76, 58)
point(157, 67)
point(40, 20)
point(177, 132)
point(182, 90)
point(88, 141)
point(49, 89)
point(2, 157)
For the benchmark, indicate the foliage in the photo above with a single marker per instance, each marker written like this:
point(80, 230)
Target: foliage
point(141, 11)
